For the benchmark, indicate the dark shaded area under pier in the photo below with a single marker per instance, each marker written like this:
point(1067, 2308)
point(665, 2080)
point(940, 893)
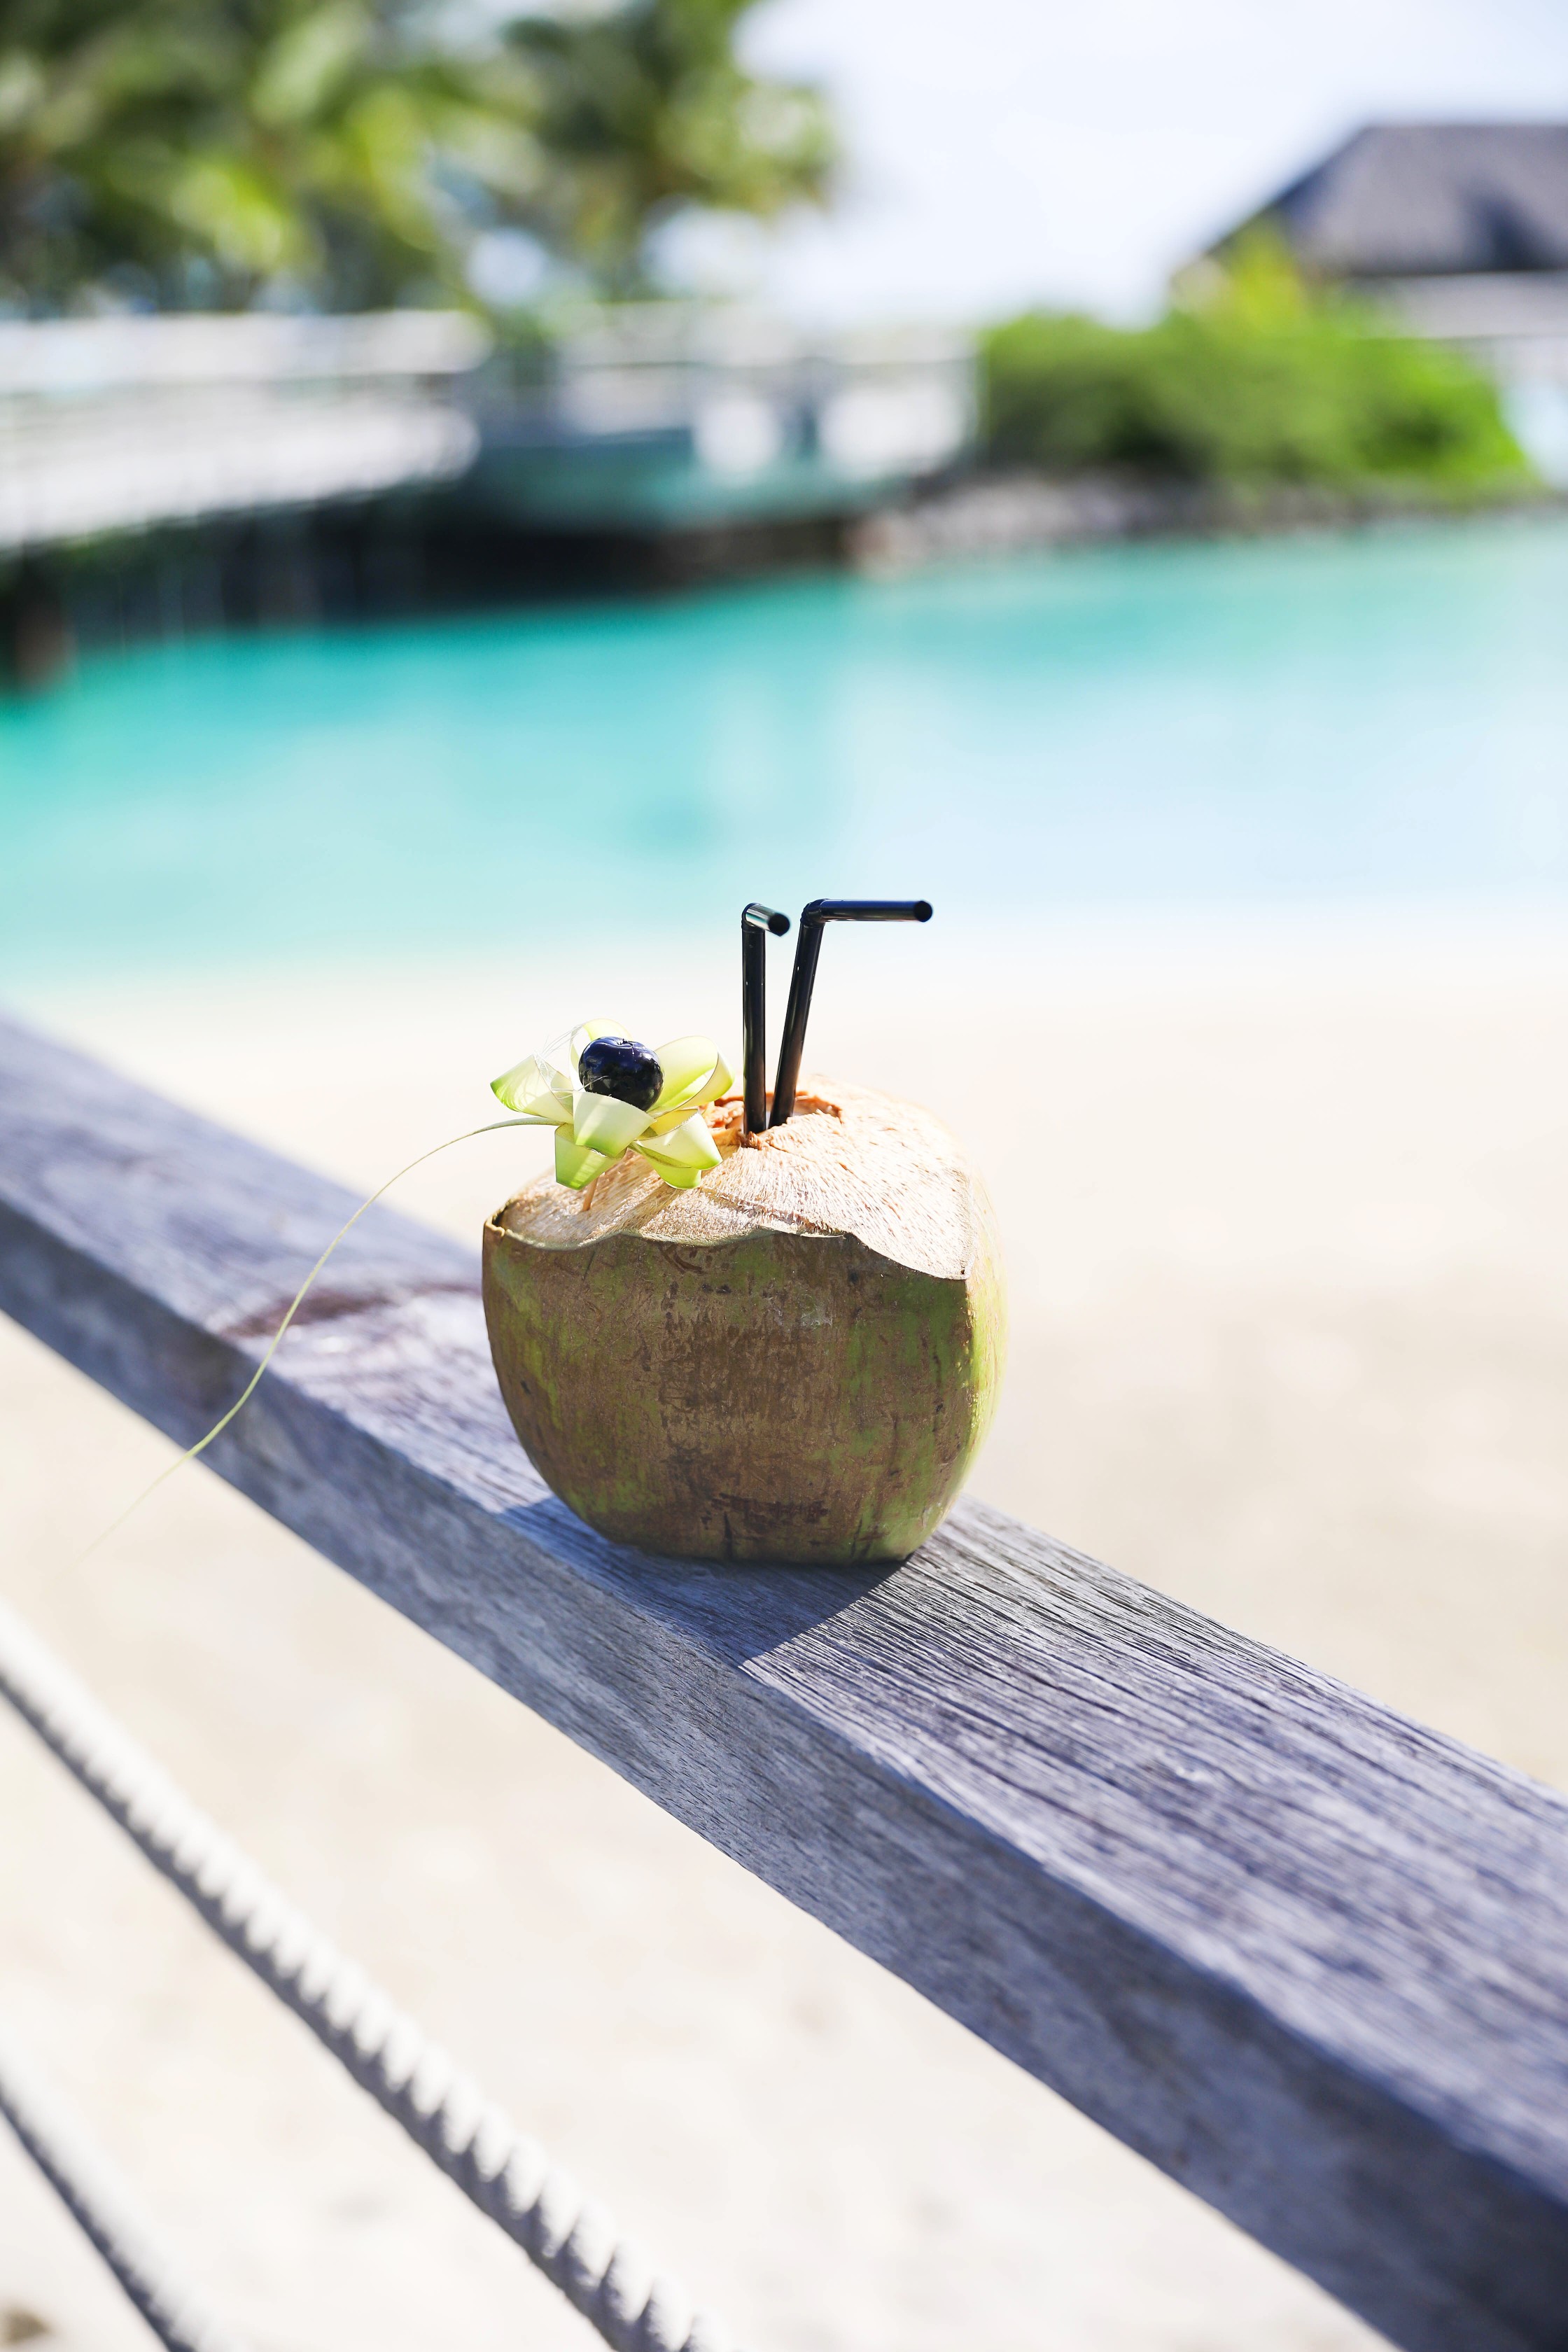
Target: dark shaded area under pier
point(385, 558)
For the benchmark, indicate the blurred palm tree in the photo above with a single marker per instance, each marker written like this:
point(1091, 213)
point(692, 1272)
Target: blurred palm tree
point(203, 153)
point(197, 151)
point(645, 110)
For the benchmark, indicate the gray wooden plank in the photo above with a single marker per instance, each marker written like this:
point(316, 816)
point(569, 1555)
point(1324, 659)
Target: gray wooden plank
point(1308, 1957)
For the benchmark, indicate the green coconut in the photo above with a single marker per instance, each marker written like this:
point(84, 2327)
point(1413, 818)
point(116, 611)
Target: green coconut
point(796, 1359)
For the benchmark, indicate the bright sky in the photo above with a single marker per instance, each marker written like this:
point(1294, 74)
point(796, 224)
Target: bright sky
point(1003, 151)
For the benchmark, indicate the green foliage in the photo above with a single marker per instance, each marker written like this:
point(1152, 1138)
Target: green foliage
point(198, 151)
point(646, 110)
point(203, 153)
point(1257, 381)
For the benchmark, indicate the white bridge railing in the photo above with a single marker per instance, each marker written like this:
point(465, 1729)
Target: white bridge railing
point(1308, 1957)
point(112, 425)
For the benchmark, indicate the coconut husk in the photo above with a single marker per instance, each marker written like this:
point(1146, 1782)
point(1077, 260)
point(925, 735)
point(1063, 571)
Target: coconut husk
point(794, 1359)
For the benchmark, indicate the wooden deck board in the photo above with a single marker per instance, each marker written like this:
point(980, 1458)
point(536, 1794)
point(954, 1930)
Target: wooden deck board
point(1308, 1957)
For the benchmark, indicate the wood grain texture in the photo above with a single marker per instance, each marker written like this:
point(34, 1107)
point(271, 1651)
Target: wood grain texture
point(1308, 1957)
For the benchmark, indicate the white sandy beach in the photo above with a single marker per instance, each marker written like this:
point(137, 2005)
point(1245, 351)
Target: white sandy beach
point(1285, 1223)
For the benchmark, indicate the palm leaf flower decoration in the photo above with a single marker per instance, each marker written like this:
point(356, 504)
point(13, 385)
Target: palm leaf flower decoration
point(606, 1094)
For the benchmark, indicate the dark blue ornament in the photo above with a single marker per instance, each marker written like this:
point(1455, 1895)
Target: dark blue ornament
point(621, 1067)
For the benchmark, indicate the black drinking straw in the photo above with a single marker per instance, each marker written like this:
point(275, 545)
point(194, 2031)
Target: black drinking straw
point(807, 948)
point(756, 922)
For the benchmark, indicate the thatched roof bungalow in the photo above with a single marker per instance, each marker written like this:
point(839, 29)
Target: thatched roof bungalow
point(1403, 200)
point(1461, 230)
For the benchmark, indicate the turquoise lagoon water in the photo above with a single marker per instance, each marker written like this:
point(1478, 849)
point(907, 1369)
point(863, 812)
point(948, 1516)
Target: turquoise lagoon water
point(1324, 720)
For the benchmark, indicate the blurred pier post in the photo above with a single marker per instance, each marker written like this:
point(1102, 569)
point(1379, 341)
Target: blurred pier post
point(158, 473)
point(124, 428)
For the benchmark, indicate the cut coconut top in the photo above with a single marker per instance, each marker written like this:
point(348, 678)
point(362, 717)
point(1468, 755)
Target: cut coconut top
point(848, 1161)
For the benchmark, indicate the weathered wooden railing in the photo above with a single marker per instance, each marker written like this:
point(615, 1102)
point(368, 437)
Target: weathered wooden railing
point(1308, 1957)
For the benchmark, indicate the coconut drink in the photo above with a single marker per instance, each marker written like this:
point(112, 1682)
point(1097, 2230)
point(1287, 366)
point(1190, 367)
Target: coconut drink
point(744, 1326)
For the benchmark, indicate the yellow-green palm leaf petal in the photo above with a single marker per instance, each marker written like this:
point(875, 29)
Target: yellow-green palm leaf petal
point(719, 1083)
point(605, 1124)
point(687, 1064)
point(683, 1155)
point(574, 1164)
point(534, 1090)
point(721, 1079)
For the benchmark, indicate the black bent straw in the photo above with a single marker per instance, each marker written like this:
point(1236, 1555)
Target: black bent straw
point(807, 948)
point(756, 922)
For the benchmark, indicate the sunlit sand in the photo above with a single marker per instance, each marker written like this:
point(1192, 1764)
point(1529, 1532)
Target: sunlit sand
point(1284, 1216)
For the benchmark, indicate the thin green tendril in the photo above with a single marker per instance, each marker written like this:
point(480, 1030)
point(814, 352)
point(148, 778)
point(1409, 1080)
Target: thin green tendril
point(298, 1299)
